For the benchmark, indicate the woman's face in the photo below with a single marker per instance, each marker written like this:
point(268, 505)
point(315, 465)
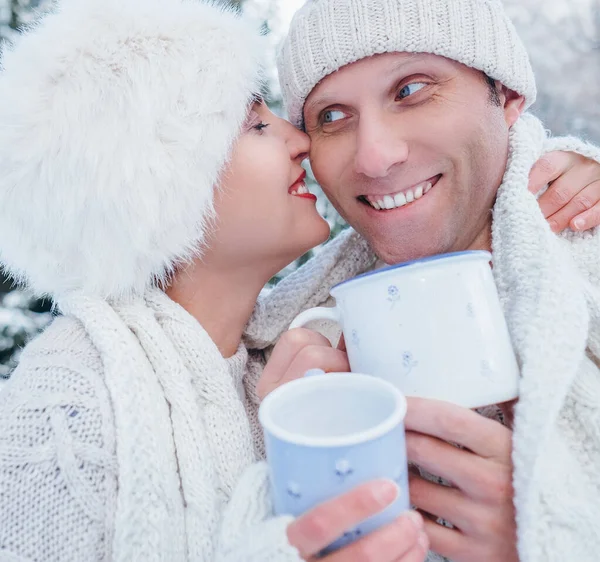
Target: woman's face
point(265, 214)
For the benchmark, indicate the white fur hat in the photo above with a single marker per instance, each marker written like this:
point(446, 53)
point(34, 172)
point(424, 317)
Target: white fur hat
point(326, 35)
point(117, 117)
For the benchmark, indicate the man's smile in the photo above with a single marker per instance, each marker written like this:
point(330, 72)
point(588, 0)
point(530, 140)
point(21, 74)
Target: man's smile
point(400, 198)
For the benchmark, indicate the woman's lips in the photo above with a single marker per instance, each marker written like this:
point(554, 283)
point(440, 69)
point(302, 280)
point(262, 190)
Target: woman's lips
point(299, 181)
point(310, 196)
point(299, 189)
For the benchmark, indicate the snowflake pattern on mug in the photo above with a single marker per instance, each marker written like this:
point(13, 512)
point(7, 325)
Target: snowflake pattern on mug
point(355, 339)
point(408, 362)
point(487, 371)
point(470, 310)
point(343, 469)
point(393, 295)
point(293, 490)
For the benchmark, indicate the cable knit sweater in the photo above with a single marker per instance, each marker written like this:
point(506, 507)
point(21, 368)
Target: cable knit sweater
point(150, 458)
point(550, 290)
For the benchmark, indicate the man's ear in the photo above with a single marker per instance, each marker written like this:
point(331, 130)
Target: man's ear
point(514, 105)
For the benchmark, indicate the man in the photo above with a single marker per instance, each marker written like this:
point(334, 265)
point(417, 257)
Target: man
point(415, 112)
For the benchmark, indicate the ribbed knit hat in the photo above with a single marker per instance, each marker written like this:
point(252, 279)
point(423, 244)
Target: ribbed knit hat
point(326, 35)
point(116, 120)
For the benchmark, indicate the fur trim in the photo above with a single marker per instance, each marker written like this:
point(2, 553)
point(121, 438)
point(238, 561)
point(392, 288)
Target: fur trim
point(117, 117)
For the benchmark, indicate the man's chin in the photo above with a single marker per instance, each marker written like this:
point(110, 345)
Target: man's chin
point(393, 250)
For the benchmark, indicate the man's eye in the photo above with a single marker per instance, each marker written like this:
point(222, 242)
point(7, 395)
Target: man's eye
point(410, 89)
point(332, 116)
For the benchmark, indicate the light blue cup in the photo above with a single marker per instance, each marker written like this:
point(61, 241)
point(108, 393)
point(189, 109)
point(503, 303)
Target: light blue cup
point(327, 434)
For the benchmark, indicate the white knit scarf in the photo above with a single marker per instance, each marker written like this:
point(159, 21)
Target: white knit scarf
point(159, 369)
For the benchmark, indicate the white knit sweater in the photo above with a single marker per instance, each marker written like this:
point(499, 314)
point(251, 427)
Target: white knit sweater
point(138, 453)
point(550, 290)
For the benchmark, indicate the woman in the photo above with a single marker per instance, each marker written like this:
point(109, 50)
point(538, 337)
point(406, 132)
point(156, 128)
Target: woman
point(136, 159)
point(152, 196)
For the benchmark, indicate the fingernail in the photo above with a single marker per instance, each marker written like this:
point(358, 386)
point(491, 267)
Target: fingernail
point(579, 224)
point(423, 541)
point(416, 519)
point(385, 492)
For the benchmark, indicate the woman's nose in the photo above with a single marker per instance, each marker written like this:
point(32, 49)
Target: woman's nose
point(298, 143)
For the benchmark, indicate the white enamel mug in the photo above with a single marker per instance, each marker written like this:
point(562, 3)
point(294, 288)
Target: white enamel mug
point(433, 327)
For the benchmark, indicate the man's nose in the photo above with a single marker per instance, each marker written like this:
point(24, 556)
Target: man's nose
point(378, 148)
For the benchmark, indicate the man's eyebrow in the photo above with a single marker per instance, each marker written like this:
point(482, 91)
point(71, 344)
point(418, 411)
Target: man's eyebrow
point(326, 99)
point(320, 101)
point(407, 60)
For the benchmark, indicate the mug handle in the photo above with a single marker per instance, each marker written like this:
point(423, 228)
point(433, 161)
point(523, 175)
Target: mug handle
point(320, 313)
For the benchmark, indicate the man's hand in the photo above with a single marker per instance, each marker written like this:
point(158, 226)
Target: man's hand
point(296, 352)
point(479, 501)
point(401, 541)
point(573, 198)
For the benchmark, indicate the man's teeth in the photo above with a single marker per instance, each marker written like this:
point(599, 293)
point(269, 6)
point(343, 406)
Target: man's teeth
point(302, 190)
point(399, 199)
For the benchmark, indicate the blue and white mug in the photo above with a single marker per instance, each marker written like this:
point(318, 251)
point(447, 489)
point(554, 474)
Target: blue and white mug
point(327, 434)
point(432, 327)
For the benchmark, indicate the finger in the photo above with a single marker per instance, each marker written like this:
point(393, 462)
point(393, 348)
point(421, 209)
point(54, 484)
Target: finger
point(288, 347)
point(291, 343)
point(449, 422)
point(450, 543)
point(560, 194)
point(481, 479)
point(580, 203)
point(590, 218)
point(312, 357)
point(321, 526)
point(567, 187)
point(317, 357)
point(342, 343)
point(548, 168)
point(439, 501)
point(392, 542)
point(418, 553)
point(454, 545)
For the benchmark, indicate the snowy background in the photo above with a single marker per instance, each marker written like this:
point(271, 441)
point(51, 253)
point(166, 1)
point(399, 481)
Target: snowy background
point(563, 38)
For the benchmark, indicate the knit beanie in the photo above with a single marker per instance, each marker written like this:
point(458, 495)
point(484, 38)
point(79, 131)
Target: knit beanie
point(117, 118)
point(326, 35)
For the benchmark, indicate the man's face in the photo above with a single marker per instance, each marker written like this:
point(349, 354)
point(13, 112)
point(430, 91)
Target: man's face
point(418, 133)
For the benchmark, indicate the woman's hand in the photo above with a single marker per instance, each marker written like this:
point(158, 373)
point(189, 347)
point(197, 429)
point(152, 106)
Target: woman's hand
point(573, 196)
point(296, 352)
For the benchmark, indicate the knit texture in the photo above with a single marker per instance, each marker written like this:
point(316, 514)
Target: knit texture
point(326, 35)
point(149, 459)
point(117, 119)
point(550, 289)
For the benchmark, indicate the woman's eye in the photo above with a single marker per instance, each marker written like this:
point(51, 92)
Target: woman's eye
point(410, 89)
point(261, 127)
point(332, 116)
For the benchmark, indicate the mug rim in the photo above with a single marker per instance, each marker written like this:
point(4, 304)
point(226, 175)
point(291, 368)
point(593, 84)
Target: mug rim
point(381, 429)
point(453, 256)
